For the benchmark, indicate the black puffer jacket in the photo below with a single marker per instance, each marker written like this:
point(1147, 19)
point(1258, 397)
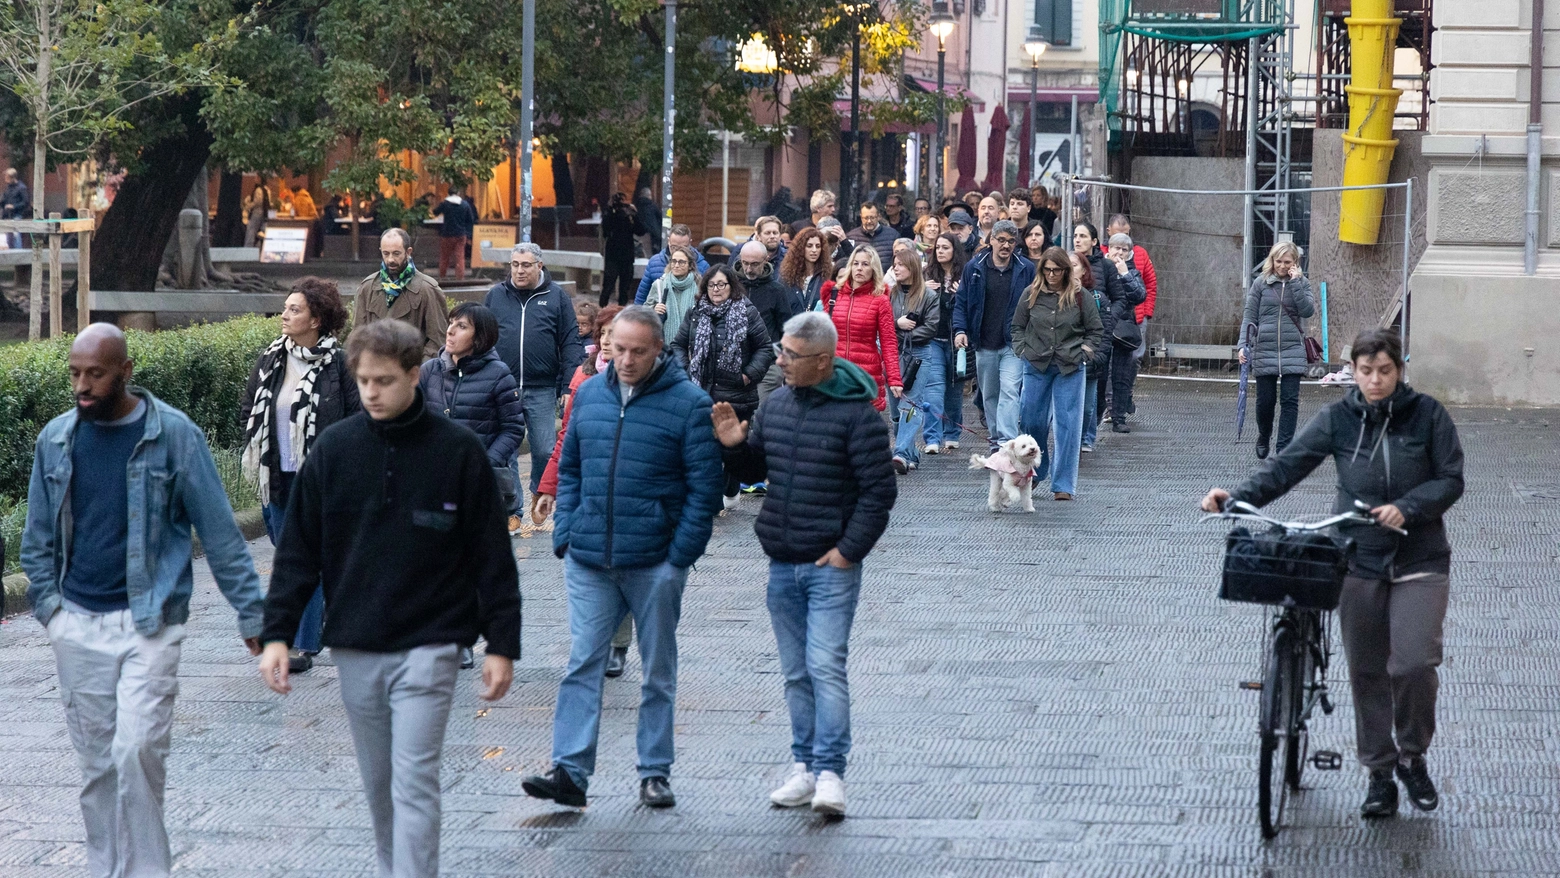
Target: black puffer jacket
point(1123, 292)
point(480, 394)
point(824, 451)
point(772, 298)
point(1403, 451)
point(757, 355)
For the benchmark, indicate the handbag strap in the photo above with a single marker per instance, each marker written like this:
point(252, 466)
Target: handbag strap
point(1289, 312)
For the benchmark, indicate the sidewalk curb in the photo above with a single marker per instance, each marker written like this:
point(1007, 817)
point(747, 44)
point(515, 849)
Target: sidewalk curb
point(250, 523)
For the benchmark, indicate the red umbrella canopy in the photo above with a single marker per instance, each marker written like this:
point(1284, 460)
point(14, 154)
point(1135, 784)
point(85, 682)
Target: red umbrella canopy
point(1024, 158)
point(965, 160)
point(996, 150)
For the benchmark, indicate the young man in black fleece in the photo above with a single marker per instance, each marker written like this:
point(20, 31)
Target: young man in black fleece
point(397, 508)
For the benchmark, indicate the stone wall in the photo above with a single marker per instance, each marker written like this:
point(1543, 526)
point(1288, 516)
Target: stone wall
point(1362, 281)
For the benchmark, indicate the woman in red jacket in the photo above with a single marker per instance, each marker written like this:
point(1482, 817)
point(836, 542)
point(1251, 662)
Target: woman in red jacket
point(864, 318)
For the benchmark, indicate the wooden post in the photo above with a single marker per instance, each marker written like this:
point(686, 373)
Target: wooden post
point(56, 287)
point(84, 274)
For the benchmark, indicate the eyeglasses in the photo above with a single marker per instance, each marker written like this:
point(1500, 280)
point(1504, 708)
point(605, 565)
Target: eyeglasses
point(524, 264)
point(1004, 240)
point(783, 354)
point(1051, 269)
point(682, 262)
point(719, 284)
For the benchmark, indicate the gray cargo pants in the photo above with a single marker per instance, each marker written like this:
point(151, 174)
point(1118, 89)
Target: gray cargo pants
point(1392, 639)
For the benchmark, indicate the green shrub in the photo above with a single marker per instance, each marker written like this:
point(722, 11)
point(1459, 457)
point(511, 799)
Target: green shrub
point(13, 516)
point(201, 370)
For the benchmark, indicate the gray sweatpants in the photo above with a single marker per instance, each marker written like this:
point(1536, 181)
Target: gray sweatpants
point(398, 704)
point(118, 687)
point(1392, 639)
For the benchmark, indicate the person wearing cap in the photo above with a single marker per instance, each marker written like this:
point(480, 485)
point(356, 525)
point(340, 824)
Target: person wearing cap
point(983, 318)
point(839, 248)
point(963, 227)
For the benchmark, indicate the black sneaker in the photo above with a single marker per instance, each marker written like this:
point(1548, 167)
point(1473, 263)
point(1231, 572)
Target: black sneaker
point(1262, 449)
point(1416, 781)
point(656, 792)
point(555, 785)
point(1381, 800)
point(1120, 427)
point(468, 659)
point(299, 662)
point(616, 661)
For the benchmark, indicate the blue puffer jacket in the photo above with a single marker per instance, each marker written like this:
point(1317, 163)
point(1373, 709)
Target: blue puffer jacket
point(639, 483)
point(480, 394)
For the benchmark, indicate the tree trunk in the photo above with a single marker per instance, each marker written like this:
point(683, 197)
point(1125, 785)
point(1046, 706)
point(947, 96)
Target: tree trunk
point(129, 245)
point(228, 228)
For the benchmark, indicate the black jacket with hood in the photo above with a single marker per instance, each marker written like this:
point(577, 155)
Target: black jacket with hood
point(773, 299)
point(824, 451)
point(1402, 450)
point(538, 335)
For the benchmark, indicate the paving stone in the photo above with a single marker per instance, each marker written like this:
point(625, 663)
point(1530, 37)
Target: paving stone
point(1033, 695)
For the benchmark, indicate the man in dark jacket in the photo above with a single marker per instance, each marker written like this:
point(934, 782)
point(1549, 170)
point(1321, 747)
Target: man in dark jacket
point(983, 309)
point(647, 220)
point(824, 450)
point(639, 483)
point(774, 301)
point(396, 508)
point(875, 233)
point(460, 220)
point(15, 203)
point(1396, 451)
point(679, 236)
point(539, 339)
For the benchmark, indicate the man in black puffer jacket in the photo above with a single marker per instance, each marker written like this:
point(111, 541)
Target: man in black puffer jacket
point(824, 449)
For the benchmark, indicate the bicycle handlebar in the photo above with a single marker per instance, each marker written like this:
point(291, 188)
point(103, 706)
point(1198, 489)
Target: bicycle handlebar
point(1247, 512)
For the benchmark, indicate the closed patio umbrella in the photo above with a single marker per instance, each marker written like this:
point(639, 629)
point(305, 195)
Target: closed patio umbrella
point(996, 151)
point(965, 160)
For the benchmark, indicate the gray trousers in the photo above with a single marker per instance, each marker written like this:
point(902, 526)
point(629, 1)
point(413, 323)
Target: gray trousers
point(118, 687)
point(1392, 639)
point(398, 704)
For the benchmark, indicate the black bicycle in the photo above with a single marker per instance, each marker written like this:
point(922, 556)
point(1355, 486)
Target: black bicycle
point(1297, 569)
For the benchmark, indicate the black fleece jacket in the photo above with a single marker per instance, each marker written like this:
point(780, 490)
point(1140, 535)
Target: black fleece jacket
point(402, 518)
point(1402, 450)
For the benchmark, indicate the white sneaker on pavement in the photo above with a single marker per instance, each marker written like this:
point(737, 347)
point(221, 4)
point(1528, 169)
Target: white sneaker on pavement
point(730, 503)
point(830, 795)
point(797, 789)
point(933, 449)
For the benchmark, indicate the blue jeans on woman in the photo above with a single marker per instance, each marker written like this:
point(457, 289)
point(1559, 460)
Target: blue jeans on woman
point(927, 394)
point(1091, 401)
point(1049, 394)
point(953, 397)
point(313, 622)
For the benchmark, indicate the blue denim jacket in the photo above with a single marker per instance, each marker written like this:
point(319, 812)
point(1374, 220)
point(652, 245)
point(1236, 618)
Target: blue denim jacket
point(173, 485)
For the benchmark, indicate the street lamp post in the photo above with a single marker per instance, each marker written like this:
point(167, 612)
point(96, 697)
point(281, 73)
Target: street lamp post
point(1035, 45)
point(668, 100)
point(941, 26)
point(527, 113)
point(853, 196)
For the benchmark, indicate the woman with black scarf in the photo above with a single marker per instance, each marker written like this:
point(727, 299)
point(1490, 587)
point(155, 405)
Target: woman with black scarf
point(300, 385)
point(725, 348)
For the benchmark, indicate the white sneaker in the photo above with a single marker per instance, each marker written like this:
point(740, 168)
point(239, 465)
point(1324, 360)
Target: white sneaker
point(731, 502)
point(933, 449)
point(797, 789)
point(830, 795)
point(951, 446)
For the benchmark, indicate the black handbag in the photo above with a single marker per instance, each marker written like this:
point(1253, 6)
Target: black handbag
point(1303, 569)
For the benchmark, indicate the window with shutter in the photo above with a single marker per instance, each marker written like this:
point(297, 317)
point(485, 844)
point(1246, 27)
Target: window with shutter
point(1055, 18)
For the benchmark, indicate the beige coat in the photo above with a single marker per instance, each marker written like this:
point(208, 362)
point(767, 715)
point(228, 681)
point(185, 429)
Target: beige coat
point(421, 304)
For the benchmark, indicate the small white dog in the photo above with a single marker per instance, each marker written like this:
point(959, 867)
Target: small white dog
point(1012, 472)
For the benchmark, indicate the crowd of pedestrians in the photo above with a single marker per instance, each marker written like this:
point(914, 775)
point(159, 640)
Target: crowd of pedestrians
point(816, 372)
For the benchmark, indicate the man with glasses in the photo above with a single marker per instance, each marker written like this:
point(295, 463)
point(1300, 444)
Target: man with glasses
point(983, 319)
point(896, 218)
point(770, 296)
point(824, 449)
point(539, 339)
point(875, 233)
point(679, 236)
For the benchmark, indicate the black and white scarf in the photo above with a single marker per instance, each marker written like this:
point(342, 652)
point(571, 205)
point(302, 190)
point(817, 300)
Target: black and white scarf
point(259, 457)
point(733, 314)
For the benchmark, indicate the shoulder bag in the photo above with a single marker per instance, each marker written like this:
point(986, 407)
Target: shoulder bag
point(1313, 348)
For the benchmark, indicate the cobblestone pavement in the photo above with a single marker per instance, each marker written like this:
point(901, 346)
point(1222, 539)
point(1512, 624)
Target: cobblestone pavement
point(1052, 694)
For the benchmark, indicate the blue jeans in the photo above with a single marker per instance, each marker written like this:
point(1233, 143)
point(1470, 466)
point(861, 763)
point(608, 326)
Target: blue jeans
point(812, 609)
point(1091, 401)
point(1051, 394)
point(926, 392)
point(313, 622)
point(598, 601)
point(953, 398)
point(1001, 376)
point(541, 424)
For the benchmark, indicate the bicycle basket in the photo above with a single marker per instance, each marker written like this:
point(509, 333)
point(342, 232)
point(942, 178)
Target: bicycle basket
point(1289, 569)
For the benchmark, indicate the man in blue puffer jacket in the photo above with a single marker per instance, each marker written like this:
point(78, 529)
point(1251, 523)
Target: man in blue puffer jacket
point(639, 483)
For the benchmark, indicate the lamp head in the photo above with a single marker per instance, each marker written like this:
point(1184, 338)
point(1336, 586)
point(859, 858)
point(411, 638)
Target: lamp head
point(1035, 44)
point(941, 21)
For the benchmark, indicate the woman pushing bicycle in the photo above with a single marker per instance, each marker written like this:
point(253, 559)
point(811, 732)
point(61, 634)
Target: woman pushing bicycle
point(1397, 451)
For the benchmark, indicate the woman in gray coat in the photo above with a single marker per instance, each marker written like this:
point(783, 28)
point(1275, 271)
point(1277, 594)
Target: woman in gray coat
point(1279, 298)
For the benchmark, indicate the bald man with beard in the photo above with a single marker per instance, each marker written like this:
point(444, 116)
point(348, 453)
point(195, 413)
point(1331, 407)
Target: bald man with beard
point(117, 483)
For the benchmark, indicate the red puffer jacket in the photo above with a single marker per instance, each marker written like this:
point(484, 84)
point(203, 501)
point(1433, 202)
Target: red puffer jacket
point(865, 323)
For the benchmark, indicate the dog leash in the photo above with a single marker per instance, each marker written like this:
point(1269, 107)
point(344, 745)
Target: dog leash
point(929, 413)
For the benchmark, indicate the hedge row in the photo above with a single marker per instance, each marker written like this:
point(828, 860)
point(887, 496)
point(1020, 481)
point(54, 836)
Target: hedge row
point(200, 370)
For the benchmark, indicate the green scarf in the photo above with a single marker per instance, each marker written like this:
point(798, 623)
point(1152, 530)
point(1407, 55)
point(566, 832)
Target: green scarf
point(394, 287)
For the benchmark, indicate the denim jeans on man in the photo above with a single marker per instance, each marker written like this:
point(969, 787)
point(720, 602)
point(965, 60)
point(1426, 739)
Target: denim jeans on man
point(541, 425)
point(811, 609)
point(926, 392)
point(598, 601)
point(1049, 394)
point(1001, 377)
point(308, 639)
point(952, 425)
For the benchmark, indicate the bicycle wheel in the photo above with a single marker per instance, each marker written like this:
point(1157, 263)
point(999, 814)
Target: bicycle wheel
point(1273, 730)
point(1297, 741)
